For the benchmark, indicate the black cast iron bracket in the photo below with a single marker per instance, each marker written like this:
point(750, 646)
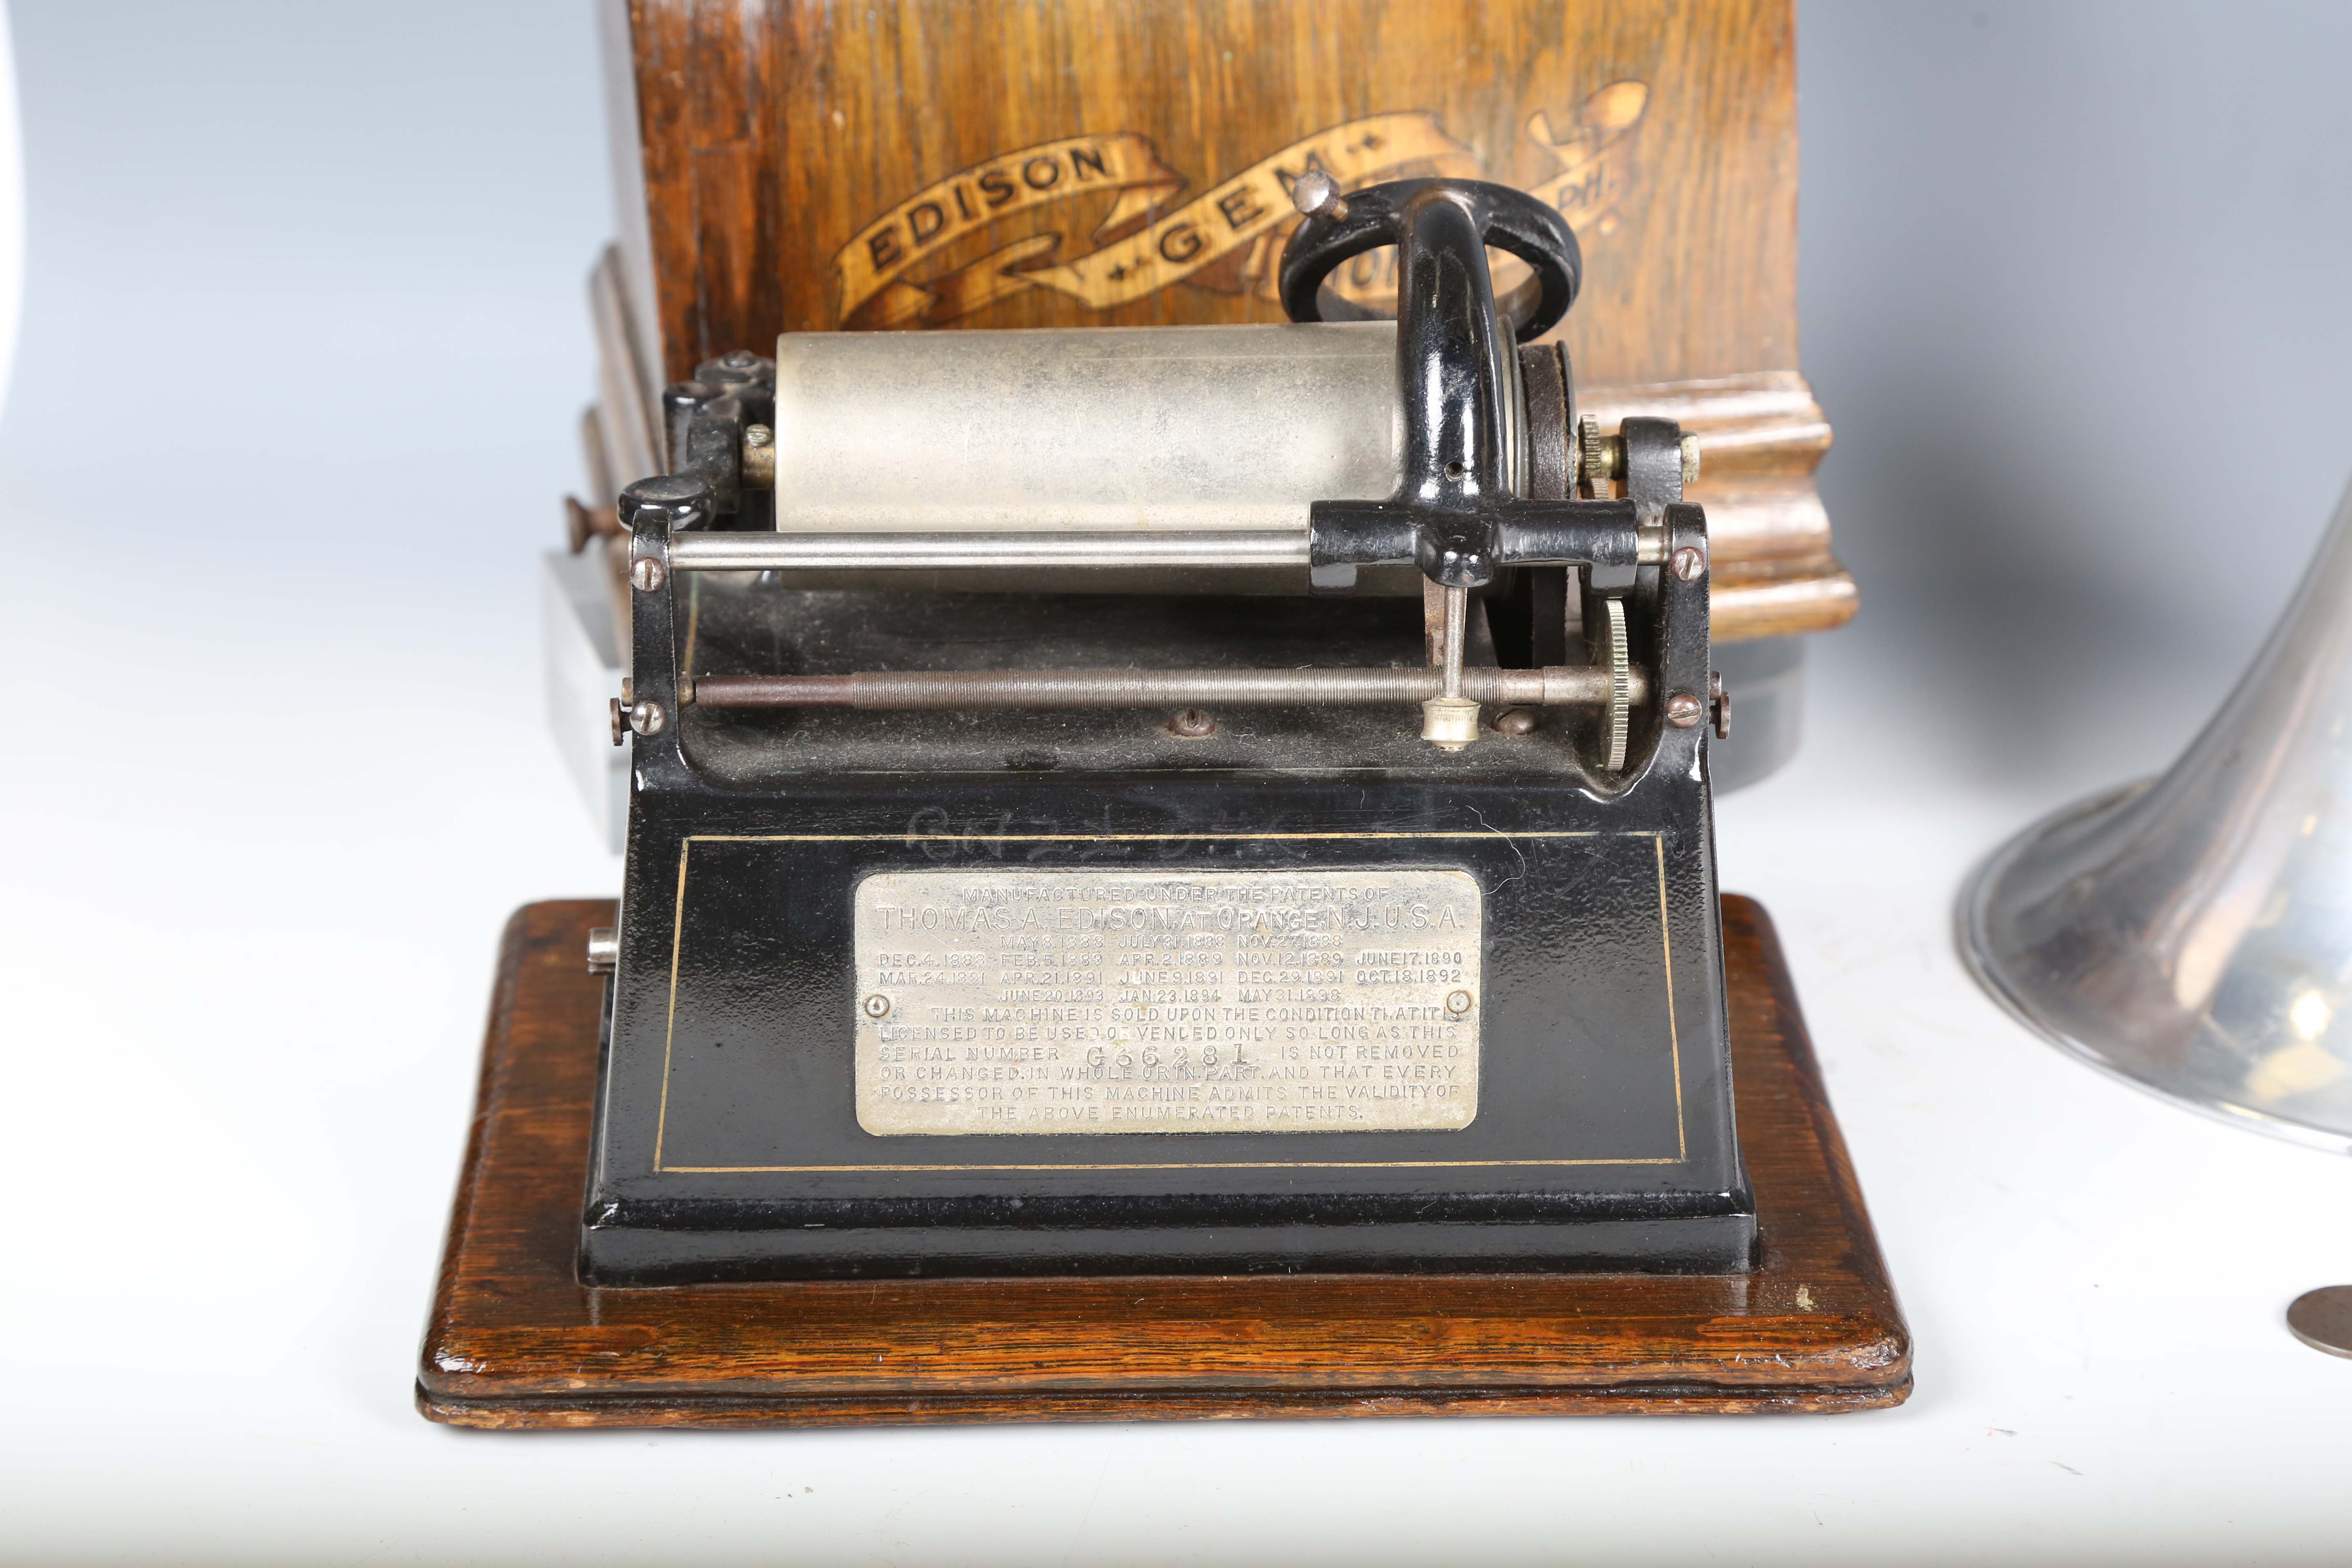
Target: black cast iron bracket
point(1455, 513)
point(703, 421)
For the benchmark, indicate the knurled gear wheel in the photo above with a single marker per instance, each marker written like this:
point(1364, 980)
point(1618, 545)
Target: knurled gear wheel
point(1617, 721)
point(1590, 462)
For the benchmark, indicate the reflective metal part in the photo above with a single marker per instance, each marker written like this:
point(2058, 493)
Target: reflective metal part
point(1095, 428)
point(1557, 686)
point(758, 456)
point(2322, 1319)
point(2194, 935)
point(604, 948)
point(934, 945)
point(1600, 458)
point(880, 551)
point(1315, 193)
point(1449, 721)
point(1617, 721)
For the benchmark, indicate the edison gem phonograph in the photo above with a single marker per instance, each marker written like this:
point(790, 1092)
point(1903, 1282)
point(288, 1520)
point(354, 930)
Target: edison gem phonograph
point(1152, 849)
point(1079, 961)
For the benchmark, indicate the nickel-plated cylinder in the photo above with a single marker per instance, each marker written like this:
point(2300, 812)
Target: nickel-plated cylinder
point(1094, 430)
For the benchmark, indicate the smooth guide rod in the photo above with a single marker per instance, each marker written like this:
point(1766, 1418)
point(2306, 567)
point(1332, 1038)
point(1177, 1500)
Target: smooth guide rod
point(873, 551)
point(787, 551)
point(1557, 686)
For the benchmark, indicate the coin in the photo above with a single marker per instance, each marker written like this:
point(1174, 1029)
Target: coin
point(2322, 1319)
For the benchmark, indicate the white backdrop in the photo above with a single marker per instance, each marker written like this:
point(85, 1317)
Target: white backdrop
point(302, 346)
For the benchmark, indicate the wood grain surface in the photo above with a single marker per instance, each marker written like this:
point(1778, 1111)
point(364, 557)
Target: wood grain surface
point(773, 135)
point(793, 165)
point(515, 1342)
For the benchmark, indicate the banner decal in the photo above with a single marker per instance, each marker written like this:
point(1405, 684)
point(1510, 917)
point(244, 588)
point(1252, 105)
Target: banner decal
point(1143, 245)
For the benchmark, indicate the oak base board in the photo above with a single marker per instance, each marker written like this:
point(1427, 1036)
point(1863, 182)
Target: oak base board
point(515, 1342)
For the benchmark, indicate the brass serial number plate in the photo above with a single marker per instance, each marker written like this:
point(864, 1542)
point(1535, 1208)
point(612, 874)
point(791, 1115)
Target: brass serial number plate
point(1062, 1001)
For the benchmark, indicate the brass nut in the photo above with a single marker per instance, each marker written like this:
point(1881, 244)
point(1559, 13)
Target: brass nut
point(758, 456)
point(1600, 458)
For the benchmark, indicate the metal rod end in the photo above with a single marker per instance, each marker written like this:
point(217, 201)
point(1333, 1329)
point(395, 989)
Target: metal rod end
point(1449, 723)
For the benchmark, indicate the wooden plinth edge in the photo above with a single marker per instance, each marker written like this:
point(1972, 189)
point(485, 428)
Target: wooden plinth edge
point(514, 1340)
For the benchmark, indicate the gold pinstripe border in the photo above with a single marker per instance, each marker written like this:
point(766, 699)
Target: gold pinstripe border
point(678, 932)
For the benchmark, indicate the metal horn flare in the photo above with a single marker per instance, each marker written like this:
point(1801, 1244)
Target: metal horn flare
point(2193, 935)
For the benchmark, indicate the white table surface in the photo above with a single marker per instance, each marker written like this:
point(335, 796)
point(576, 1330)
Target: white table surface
point(276, 774)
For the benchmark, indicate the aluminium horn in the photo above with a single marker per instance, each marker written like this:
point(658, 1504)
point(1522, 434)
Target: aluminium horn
point(2193, 935)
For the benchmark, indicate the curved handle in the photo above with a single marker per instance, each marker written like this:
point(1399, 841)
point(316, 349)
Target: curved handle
point(1453, 353)
point(1508, 220)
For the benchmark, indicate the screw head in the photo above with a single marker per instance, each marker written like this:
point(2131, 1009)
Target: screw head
point(1683, 710)
point(1689, 563)
point(758, 436)
point(1515, 722)
point(647, 718)
point(647, 574)
point(1457, 1002)
point(1192, 724)
point(1315, 192)
point(877, 1006)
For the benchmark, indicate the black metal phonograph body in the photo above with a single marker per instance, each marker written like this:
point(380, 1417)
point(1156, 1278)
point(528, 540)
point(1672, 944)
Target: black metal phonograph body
point(1050, 879)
